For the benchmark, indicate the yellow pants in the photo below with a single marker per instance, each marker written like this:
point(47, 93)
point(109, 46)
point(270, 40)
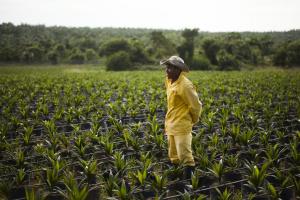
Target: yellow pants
point(180, 149)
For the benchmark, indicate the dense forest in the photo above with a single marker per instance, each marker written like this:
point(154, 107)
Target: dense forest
point(128, 48)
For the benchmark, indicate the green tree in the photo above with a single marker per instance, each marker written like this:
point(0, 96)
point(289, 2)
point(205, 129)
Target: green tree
point(76, 57)
point(186, 50)
point(227, 61)
point(211, 48)
point(52, 56)
point(118, 61)
point(293, 53)
point(114, 46)
point(90, 55)
point(32, 54)
point(162, 47)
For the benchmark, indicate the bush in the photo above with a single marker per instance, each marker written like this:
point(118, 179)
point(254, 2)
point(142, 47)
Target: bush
point(118, 61)
point(293, 53)
point(52, 57)
point(114, 46)
point(288, 54)
point(279, 58)
point(90, 55)
point(77, 58)
point(227, 61)
point(200, 63)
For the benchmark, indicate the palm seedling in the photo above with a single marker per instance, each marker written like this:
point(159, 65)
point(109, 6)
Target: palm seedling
point(209, 121)
point(20, 176)
point(152, 106)
point(195, 180)
point(224, 117)
point(116, 124)
point(74, 190)
point(27, 135)
point(119, 161)
point(218, 169)
point(204, 161)
point(140, 176)
point(235, 132)
point(246, 137)
point(256, 177)
point(3, 134)
point(237, 112)
point(53, 174)
point(33, 194)
point(225, 195)
point(273, 153)
point(95, 128)
point(126, 136)
point(153, 125)
point(110, 183)
point(90, 169)
point(159, 141)
point(214, 139)
point(58, 114)
point(65, 142)
point(159, 182)
point(295, 155)
point(231, 161)
point(53, 142)
point(109, 147)
point(50, 127)
point(80, 145)
point(274, 194)
point(122, 191)
point(20, 159)
point(264, 137)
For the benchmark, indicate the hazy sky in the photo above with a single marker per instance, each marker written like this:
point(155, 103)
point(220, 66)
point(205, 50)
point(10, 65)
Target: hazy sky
point(207, 15)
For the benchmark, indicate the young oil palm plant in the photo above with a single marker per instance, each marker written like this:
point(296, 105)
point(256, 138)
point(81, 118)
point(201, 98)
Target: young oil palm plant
point(256, 176)
point(225, 195)
point(34, 194)
point(153, 125)
point(235, 132)
point(159, 182)
point(27, 135)
point(119, 161)
point(80, 145)
point(50, 127)
point(20, 176)
point(195, 179)
point(246, 137)
point(273, 153)
point(272, 191)
point(123, 192)
point(90, 169)
point(218, 169)
point(294, 153)
point(110, 182)
point(20, 159)
point(74, 190)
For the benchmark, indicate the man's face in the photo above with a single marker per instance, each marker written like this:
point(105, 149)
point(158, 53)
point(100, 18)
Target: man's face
point(172, 72)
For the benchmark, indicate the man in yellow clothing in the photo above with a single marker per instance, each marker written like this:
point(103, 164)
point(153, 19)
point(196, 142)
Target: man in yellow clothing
point(184, 110)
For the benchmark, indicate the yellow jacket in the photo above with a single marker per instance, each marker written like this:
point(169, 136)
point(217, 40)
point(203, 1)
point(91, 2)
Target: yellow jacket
point(184, 107)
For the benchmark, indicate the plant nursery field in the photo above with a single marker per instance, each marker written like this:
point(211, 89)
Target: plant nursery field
point(83, 133)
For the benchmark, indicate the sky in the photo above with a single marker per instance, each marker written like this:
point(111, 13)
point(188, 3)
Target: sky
point(206, 15)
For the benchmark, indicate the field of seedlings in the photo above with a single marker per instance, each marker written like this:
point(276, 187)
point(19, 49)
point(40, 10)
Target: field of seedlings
point(82, 133)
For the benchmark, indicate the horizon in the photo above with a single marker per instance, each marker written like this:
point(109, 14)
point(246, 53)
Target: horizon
point(207, 16)
point(142, 28)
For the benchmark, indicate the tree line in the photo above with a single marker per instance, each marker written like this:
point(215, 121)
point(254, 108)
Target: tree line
point(126, 48)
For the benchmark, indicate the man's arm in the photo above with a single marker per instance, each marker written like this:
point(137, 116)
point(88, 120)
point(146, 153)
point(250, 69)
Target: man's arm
point(190, 97)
